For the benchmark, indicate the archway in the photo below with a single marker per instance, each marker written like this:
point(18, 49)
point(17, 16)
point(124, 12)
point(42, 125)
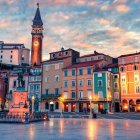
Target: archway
point(124, 105)
point(131, 106)
point(138, 105)
point(51, 106)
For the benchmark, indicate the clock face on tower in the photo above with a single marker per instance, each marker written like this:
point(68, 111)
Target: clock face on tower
point(36, 43)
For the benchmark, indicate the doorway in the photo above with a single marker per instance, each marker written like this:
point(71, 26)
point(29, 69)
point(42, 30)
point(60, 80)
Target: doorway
point(51, 106)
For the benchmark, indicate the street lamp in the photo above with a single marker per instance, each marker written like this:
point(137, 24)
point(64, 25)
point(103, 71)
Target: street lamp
point(33, 99)
point(90, 99)
point(61, 99)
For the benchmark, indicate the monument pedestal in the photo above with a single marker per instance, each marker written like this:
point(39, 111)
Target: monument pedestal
point(19, 103)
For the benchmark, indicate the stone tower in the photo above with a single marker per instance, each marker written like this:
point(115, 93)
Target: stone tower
point(37, 38)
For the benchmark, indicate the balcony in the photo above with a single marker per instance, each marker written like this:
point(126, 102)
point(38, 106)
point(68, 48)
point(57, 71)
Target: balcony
point(50, 96)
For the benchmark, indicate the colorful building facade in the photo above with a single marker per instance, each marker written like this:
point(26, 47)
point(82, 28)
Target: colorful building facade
point(129, 70)
point(77, 84)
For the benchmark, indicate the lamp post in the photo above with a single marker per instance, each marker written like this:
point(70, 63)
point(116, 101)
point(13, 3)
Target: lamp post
point(61, 99)
point(33, 99)
point(90, 99)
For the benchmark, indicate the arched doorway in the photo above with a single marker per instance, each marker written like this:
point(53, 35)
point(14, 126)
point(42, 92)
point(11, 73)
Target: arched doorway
point(131, 106)
point(51, 106)
point(138, 105)
point(124, 105)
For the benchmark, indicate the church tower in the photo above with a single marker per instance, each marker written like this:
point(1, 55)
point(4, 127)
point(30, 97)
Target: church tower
point(37, 37)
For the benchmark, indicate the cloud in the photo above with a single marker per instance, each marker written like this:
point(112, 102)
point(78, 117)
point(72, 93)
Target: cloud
point(122, 8)
point(103, 21)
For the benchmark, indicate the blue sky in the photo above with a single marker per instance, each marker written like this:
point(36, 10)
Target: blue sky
point(107, 26)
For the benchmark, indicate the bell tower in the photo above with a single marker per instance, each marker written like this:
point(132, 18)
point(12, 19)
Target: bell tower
point(37, 38)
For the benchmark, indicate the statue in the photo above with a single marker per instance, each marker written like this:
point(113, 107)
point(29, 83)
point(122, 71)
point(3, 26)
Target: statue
point(21, 82)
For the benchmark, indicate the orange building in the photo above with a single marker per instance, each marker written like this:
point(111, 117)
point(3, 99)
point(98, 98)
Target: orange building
point(77, 84)
point(129, 70)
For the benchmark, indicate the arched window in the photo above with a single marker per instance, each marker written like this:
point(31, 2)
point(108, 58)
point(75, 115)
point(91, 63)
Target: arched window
point(46, 105)
point(135, 67)
point(56, 105)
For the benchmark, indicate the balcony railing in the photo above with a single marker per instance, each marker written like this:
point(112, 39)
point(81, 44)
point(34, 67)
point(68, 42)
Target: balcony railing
point(50, 96)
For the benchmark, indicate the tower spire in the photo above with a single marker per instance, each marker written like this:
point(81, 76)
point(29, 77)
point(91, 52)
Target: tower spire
point(37, 21)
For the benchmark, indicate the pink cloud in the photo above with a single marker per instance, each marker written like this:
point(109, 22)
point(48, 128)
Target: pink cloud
point(103, 21)
point(122, 8)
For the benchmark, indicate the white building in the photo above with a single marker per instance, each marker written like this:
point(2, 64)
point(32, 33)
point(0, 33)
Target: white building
point(14, 54)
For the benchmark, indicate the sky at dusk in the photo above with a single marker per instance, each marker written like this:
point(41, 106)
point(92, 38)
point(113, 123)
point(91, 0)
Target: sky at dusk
point(108, 26)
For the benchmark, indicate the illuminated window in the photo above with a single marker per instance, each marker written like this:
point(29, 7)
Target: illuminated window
point(65, 95)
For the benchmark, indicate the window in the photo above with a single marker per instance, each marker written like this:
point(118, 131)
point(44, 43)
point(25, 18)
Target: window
point(1, 51)
point(105, 58)
point(89, 83)
point(100, 94)
point(37, 87)
point(31, 87)
point(100, 83)
point(99, 57)
point(135, 67)
point(73, 72)
point(116, 95)
point(80, 71)
point(122, 69)
point(11, 61)
point(89, 93)
point(57, 78)
point(56, 91)
point(80, 83)
point(136, 58)
point(137, 89)
point(80, 94)
point(72, 94)
point(65, 84)
point(65, 73)
point(73, 83)
point(115, 76)
point(14, 84)
point(86, 59)
point(46, 79)
point(11, 57)
point(46, 105)
point(136, 77)
point(56, 105)
point(65, 95)
point(123, 90)
point(11, 51)
point(109, 69)
point(47, 91)
point(47, 67)
point(99, 74)
point(123, 61)
point(123, 79)
point(115, 85)
point(89, 70)
point(92, 58)
point(56, 66)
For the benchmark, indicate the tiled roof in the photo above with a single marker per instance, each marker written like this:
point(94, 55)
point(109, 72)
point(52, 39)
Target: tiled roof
point(111, 65)
point(94, 54)
point(12, 44)
point(129, 54)
point(84, 64)
point(63, 50)
point(56, 59)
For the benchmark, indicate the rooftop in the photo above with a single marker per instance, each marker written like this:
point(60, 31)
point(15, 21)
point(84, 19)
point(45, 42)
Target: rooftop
point(129, 54)
point(84, 64)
